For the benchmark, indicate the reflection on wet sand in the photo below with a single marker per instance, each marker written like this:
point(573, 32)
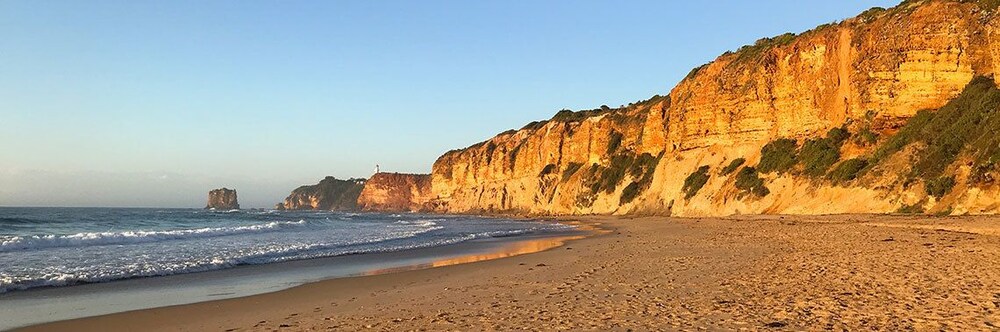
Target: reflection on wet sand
point(507, 250)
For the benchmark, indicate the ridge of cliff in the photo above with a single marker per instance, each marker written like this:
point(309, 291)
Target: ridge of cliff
point(330, 194)
point(838, 119)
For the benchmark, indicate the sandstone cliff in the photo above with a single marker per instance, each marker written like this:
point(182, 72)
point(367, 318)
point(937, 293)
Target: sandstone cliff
point(803, 124)
point(330, 194)
point(222, 199)
point(396, 192)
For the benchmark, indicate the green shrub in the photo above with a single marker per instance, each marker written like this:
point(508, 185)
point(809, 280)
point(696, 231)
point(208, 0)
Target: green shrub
point(871, 14)
point(865, 137)
point(694, 72)
point(968, 123)
point(940, 186)
point(630, 192)
point(549, 169)
point(778, 156)
point(847, 170)
point(644, 165)
point(694, 182)
point(571, 169)
point(733, 166)
point(911, 209)
point(908, 134)
point(534, 125)
point(614, 142)
point(752, 53)
point(607, 178)
point(817, 156)
point(837, 136)
point(748, 181)
point(986, 5)
point(570, 116)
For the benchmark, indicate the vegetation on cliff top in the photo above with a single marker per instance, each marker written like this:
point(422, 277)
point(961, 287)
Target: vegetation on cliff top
point(330, 194)
point(752, 53)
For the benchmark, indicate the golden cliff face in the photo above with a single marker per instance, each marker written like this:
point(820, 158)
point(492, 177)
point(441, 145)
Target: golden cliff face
point(395, 192)
point(895, 65)
point(879, 68)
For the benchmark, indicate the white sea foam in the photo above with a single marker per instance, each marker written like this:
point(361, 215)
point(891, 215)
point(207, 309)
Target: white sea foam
point(94, 256)
point(420, 222)
point(129, 237)
point(64, 276)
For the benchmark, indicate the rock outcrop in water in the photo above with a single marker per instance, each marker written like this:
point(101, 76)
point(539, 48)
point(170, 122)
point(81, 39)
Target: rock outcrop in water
point(222, 199)
point(827, 121)
point(330, 194)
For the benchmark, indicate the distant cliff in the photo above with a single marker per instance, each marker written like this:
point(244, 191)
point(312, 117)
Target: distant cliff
point(893, 110)
point(222, 199)
point(396, 192)
point(329, 194)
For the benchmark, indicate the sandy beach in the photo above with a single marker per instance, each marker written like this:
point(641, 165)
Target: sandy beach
point(754, 273)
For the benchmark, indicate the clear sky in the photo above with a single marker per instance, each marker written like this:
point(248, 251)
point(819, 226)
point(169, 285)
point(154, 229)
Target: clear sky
point(153, 103)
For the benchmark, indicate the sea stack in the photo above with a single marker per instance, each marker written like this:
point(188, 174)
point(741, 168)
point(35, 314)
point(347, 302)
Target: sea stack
point(222, 199)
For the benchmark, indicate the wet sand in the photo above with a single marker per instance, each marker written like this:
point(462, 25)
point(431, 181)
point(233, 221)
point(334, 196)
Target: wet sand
point(755, 273)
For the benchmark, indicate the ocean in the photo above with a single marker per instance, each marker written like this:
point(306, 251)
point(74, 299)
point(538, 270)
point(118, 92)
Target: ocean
point(55, 247)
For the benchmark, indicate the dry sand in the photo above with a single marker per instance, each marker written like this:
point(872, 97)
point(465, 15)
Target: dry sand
point(753, 273)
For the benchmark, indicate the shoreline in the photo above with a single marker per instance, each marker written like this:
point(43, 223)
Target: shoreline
point(848, 272)
point(41, 306)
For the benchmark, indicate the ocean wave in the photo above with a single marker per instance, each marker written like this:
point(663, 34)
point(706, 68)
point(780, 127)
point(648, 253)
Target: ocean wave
point(130, 237)
point(312, 238)
point(16, 221)
point(420, 222)
point(289, 252)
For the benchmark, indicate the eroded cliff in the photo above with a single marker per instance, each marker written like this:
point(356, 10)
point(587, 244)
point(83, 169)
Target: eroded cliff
point(396, 192)
point(821, 104)
point(330, 194)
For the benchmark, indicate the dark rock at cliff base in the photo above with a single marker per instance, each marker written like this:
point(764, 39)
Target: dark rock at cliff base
point(330, 194)
point(222, 199)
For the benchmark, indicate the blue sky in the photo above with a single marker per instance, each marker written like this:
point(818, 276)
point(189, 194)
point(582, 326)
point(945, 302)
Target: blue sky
point(153, 103)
